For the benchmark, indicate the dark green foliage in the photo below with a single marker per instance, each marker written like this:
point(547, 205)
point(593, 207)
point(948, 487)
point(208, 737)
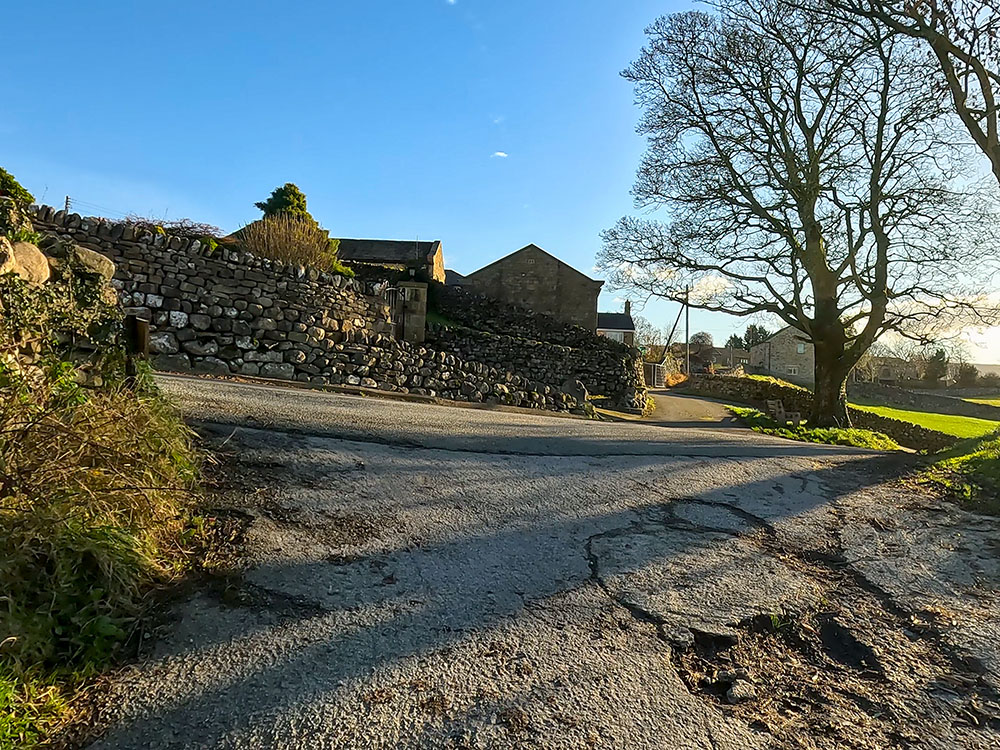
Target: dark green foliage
point(754, 335)
point(11, 188)
point(734, 342)
point(937, 366)
point(14, 222)
point(25, 235)
point(967, 374)
point(285, 199)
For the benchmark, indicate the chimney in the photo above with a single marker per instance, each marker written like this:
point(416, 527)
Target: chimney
point(628, 307)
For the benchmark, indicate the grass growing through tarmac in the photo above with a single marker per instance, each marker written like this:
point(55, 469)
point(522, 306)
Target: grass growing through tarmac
point(760, 422)
point(970, 473)
point(950, 424)
point(94, 486)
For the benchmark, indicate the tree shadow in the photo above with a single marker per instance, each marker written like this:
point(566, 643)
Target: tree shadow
point(304, 627)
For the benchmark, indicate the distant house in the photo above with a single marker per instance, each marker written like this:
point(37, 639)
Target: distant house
point(786, 354)
point(711, 358)
point(617, 326)
point(533, 278)
point(453, 278)
point(885, 370)
point(399, 254)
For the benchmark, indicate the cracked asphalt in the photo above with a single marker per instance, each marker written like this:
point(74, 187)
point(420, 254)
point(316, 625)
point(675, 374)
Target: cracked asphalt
point(419, 576)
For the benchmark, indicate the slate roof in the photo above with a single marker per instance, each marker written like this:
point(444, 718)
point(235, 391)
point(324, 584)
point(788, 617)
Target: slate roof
point(453, 278)
point(395, 252)
point(615, 322)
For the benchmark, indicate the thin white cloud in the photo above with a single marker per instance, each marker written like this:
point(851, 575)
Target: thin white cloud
point(499, 155)
point(452, 2)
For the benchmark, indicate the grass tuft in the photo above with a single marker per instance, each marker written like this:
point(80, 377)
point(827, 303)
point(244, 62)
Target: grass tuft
point(970, 473)
point(760, 422)
point(94, 489)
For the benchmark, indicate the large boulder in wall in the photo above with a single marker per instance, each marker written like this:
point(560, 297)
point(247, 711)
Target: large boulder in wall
point(25, 260)
point(32, 265)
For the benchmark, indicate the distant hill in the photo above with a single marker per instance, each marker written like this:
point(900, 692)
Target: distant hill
point(986, 369)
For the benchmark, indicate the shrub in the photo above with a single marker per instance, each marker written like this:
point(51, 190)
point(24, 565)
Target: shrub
point(289, 239)
point(287, 199)
point(967, 374)
point(11, 188)
point(192, 230)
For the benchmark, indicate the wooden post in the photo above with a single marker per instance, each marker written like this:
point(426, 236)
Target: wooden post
point(136, 347)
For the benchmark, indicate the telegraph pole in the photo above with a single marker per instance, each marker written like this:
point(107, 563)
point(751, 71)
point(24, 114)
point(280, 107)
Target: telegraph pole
point(67, 204)
point(687, 332)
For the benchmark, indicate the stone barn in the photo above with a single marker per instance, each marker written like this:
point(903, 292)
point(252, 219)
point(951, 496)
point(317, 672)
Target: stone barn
point(533, 278)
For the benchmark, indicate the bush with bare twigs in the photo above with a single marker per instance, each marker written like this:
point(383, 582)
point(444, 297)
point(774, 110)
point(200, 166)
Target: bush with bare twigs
point(193, 230)
point(288, 238)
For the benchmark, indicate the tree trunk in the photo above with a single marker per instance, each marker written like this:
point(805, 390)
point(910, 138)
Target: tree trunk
point(830, 396)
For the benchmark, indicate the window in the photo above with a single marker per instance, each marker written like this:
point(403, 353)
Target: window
point(800, 348)
point(792, 369)
point(614, 335)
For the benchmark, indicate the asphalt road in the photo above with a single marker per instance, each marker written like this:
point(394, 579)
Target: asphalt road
point(422, 576)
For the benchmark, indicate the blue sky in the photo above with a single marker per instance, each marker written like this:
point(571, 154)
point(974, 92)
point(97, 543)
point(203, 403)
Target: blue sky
point(391, 115)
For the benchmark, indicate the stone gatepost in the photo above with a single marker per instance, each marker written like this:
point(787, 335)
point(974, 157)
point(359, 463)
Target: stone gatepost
point(413, 313)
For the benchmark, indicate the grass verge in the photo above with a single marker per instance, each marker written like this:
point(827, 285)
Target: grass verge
point(950, 424)
point(970, 473)
point(987, 401)
point(95, 489)
point(760, 422)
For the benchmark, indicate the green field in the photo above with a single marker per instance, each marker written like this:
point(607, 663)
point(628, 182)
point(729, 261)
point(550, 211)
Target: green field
point(963, 427)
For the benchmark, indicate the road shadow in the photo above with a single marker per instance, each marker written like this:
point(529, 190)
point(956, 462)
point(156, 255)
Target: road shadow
point(301, 629)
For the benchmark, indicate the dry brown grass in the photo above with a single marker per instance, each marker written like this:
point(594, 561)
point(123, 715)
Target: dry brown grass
point(92, 491)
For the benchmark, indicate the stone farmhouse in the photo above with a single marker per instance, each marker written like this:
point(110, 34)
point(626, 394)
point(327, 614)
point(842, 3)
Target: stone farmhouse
point(786, 354)
point(617, 326)
point(424, 257)
point(537, 280)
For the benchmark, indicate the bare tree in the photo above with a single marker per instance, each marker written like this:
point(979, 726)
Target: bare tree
point(964, 38)
point(804, 177)
point(702, 338)
point(649, 338)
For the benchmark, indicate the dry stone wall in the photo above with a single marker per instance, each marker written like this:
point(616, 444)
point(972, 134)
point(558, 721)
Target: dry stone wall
point(894, 396)
point(223, 311)
point(613, 372)
point(537, 345)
